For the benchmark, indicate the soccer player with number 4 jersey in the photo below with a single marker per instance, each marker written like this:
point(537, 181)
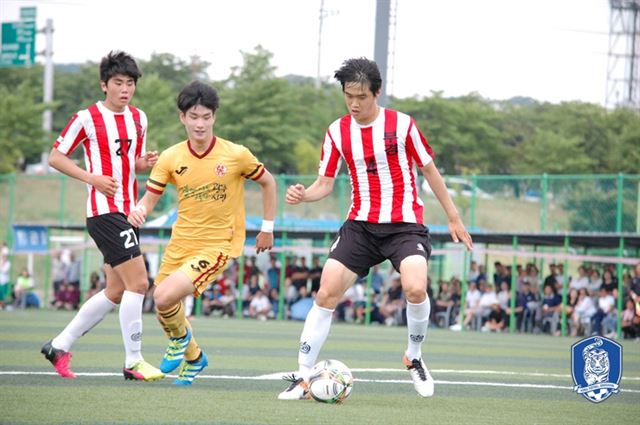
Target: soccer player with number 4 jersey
point(113, 136)
point(382, 149)
point(209, 174)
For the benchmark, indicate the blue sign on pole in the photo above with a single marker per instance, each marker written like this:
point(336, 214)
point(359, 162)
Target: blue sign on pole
point(30, 239)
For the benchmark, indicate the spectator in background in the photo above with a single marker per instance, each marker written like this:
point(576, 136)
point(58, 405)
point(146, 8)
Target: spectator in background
point(67, 298)
point(314, 274)
point(377, 280)
point(497, 319)
point(500, 274)
point(72, 275)
point(551, 308)
point(300, 274)
point(273, 272)
point(581, 281)
point(95, 286)
point(583, 312)
point(58, 272)
point(473, 271)
point(5, 284)
point(551, 279)
point(23, 289)
point(595, 281)
point(630, 320)
point(473, 304)
point(482, 274)
point(274, 298)
point(560, 277)
point(504, 297)
point(392, 301)
point(260, 306)
point(608, 282)
point(634, 288)
point(533, 276)
point(604, 320)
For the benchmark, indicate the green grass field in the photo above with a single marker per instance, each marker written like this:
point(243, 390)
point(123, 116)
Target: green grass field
point(480, 378)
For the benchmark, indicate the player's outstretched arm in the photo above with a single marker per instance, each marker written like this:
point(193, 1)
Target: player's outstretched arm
point(456, 227)
point(264, 240)
point(104, 184)
point(319, 189)
point(138, 215)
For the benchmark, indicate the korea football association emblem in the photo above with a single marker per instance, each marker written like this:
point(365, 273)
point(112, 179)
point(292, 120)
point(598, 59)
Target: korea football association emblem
point(596, 368)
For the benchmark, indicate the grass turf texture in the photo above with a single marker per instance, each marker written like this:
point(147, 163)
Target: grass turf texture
point(243, 349)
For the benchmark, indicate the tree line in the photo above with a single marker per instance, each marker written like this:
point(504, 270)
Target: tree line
point(283, 120)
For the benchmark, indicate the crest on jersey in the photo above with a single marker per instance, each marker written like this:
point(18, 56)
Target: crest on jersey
point(221, 170)
point(390, 143)
point(596, 368)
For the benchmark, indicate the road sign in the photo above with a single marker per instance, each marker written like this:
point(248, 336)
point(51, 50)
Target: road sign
point(18, 46)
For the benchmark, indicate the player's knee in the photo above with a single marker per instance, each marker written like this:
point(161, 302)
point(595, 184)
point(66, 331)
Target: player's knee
point(326, 299)
point(415, 294)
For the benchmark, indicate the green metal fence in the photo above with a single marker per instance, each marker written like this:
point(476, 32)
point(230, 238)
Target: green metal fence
point(532, 203)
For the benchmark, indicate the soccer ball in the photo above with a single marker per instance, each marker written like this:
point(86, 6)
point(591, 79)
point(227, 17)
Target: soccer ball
point(331, 382)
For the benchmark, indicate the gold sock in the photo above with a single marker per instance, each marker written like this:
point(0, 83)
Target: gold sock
point(173, 321)
point(193, 350)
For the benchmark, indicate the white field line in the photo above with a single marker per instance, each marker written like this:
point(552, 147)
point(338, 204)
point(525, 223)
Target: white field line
point(278, 376)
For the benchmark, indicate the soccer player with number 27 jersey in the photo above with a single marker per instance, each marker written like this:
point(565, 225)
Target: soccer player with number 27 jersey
point(382, 149)
point(113, 135)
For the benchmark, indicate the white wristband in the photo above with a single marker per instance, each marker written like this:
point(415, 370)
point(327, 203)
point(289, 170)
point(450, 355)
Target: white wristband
point(267, 226)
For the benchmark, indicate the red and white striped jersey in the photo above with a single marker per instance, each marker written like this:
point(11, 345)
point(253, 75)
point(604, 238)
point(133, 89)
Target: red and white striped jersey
point(381, 160)
point(112, 142)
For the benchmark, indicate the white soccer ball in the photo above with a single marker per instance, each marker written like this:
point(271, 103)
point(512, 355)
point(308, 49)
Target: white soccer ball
point(331, 382)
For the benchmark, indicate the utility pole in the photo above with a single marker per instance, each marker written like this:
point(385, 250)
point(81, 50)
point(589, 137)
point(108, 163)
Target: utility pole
point(323, 14)
point(381, 48)
point(47, 98)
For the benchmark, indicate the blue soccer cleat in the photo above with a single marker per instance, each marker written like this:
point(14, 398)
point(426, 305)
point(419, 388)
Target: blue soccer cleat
point(175, 353)
point(190, 370)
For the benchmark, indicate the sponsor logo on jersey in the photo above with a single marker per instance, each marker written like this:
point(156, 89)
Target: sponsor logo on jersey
point(180, 171)
point(596, 368)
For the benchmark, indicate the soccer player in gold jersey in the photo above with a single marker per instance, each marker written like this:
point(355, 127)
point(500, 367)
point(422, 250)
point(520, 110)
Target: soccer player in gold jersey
point(209, 174)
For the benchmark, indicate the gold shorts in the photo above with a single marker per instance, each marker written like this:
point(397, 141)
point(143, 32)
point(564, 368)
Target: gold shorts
point(201, 265)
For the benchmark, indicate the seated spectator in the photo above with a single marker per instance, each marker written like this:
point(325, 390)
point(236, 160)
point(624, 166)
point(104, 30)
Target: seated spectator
point(472, 308)
point(67, 298)
point(595, 282)
point(24, 291)
point(260, 306)
point(504, 297)
point(393, 302)
point(497, 320)
point(526, 308)
point(582, 314)
point(604, 320)
point(608, 281)
point(551, 308)
point(211, 294)
point(630, 320)
point(444, 303)
point(274, 298)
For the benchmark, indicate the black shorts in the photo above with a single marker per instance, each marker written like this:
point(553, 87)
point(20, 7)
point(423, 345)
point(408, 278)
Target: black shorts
point(116, 238)
point(361, 245)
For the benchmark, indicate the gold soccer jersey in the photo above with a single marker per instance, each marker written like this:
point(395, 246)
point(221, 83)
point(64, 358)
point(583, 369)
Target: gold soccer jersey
point(210, 191)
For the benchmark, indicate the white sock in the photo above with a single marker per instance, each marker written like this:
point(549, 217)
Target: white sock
point(90, 314)
point(131, 326)
point(314, 334)
point(417, 323)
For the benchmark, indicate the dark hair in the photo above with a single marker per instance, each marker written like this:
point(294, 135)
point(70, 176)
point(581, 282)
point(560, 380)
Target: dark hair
point(360, 70)
point(117, 62)
point(198, 93)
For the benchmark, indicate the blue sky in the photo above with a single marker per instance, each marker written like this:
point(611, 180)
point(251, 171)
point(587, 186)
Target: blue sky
point(551, 50)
